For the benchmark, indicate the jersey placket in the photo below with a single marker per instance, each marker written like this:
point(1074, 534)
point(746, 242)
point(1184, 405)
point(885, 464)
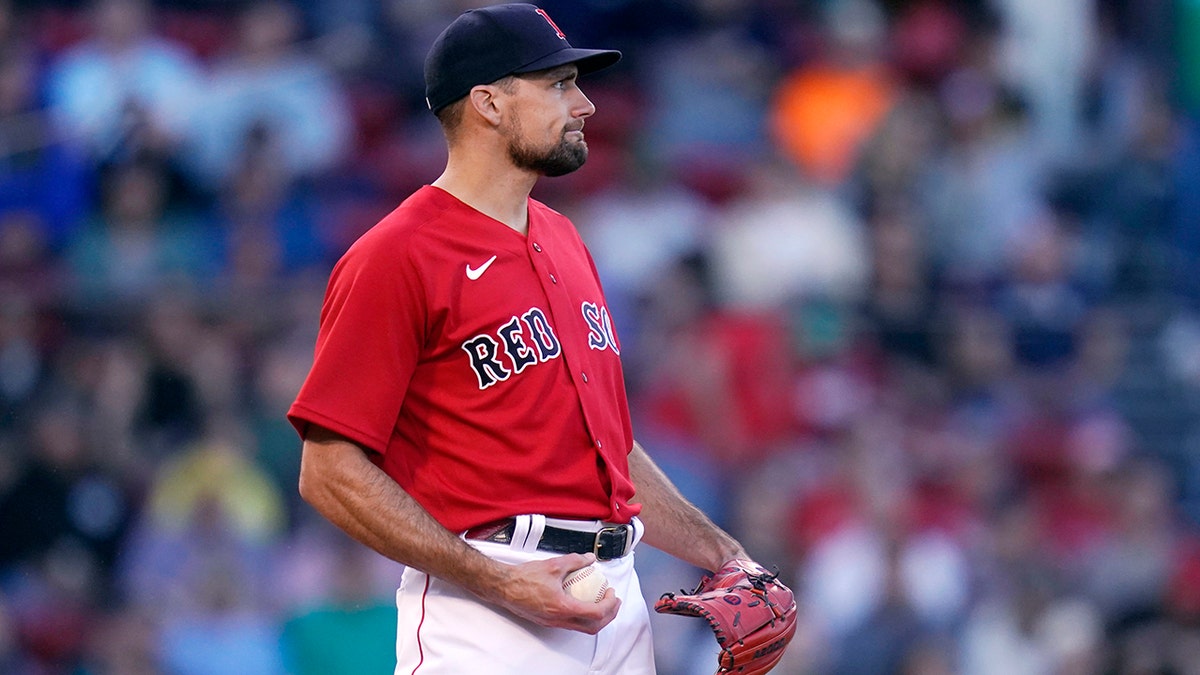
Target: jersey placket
point(563, 311)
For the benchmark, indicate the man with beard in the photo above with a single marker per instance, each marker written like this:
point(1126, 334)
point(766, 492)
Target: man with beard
point(465, 414)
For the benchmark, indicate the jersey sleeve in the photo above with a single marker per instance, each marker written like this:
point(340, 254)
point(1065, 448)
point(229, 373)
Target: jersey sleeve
point(371, 332)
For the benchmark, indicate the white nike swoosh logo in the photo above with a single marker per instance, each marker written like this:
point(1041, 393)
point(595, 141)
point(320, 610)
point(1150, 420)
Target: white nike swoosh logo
point(477, 272)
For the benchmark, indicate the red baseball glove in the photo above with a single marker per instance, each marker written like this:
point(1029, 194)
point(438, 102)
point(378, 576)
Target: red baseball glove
point(752, 614)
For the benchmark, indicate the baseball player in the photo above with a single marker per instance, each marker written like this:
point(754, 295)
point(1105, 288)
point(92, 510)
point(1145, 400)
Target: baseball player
point(465, 413)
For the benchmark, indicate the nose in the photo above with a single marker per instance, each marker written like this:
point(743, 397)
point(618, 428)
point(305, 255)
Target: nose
point(583, 106)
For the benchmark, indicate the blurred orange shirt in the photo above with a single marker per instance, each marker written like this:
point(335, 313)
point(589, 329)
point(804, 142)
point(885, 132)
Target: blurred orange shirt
point(821, 115)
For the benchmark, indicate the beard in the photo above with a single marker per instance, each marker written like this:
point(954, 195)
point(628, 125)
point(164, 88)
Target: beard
point(558, 160)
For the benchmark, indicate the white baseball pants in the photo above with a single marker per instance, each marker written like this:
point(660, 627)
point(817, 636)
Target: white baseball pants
point(445, 630)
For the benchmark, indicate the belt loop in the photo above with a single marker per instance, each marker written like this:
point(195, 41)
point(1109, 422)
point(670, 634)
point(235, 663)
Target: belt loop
point(638, 529)
point(528, 533)
point(520, 532)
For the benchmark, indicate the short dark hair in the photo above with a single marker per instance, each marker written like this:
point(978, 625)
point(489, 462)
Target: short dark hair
point(451, 117)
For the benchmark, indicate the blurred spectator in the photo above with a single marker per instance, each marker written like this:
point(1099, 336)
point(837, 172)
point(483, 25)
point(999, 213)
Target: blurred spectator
point(171, 411)
point(825, 110)
point(135, 246)
point(1032, 635)
point(64, 516)
point(1137, 201)
point(220, 632)
point(270, 96)
point(997, 637)
point(722, 65)
point(124, 90)
point(799, 236)
point(201, 560)
point(1044, 53)
point(1121, 87)
point(380, 46)
point(1042, 296)
point(44, 183)
point(868, 559)
point(900, 305)
point(984, 186)
point(649, 191)
point(62, 501)
point(718, 379)
point(1130, 572)
point(928, 39)
point(894, 166)
point(26, 262)
point(204, 539)
point(351, 629)
point(267, 222)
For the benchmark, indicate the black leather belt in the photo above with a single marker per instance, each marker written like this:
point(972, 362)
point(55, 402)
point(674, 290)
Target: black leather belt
point(610, 542)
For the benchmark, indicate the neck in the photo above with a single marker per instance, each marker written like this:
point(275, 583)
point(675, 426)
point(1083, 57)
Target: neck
point(500, 191)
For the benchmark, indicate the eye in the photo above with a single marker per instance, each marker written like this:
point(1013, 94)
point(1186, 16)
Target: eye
point(566, 82)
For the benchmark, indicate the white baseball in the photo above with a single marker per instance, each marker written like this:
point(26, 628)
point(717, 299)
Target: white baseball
point(587, 584)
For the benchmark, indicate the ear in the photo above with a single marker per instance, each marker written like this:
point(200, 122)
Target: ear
point(485, 100)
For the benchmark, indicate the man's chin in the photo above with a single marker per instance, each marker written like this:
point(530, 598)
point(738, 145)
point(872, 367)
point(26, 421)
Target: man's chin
point(564, 159)
point(555, 172)
point(566, 165)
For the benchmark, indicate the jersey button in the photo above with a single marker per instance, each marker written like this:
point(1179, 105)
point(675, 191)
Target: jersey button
point(537, 247)
point(553, 279)
point(599, 444)
point(584, 376)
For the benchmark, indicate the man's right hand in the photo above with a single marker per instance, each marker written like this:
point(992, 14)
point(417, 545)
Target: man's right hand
point(340, 482)
point(534, 591)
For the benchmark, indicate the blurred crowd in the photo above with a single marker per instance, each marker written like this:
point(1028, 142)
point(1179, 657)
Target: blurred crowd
point(908, 293)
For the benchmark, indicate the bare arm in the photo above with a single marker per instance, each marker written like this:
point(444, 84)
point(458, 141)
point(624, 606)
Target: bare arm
point(342, 484)
point(675, 525)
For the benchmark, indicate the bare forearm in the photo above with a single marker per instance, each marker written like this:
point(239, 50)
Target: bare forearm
point(343, 485)
point(675, 525)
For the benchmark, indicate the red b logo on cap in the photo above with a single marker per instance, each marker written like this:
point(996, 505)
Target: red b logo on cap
point(551, 22)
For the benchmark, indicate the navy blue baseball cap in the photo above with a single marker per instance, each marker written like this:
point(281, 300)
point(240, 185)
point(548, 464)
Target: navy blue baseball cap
point(486, 44)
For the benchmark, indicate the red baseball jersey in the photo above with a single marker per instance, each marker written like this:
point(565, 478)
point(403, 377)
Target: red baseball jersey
point(479, 366)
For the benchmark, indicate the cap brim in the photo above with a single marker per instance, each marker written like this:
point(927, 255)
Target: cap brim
point(588, 60)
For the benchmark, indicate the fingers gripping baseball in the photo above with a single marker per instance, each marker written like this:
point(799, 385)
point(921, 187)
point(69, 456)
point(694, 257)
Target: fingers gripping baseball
point(536, 592)
point(587, 584)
